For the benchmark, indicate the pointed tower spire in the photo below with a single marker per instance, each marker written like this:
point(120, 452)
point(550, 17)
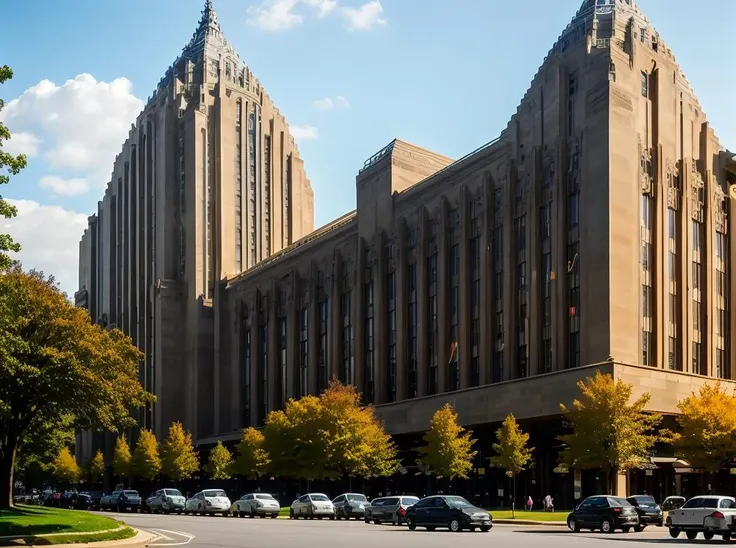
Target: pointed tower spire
point(209, 17)
point(208, 30)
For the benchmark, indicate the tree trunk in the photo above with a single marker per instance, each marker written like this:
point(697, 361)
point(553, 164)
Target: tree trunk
point(7, 462)
point(513, 495)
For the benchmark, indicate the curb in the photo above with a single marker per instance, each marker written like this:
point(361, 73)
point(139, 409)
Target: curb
point(529, 522)
point(141, 539)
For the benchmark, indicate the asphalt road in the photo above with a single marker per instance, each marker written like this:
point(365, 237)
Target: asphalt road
point(224, 532)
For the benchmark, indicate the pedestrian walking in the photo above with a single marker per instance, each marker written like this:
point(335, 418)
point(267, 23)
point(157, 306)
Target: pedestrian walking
point(529, 504)
point(549, 504)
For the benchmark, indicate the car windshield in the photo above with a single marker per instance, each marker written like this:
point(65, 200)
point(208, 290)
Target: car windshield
point(213, 494)
point(410, 500)
point(264, 497)
point(644, 500)
point(458, 502)
point(618, 501)
point(356, 498)
point(320, 498)
point(130, 493)
point(172, 492)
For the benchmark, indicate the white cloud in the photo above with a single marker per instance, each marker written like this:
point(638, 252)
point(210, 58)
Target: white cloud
point(22, 143)
point(64, 187)
point(83, 122)
point(365, 17)
point(303, 133)
point(329, 104)
point(49, 237)
point(278, 15)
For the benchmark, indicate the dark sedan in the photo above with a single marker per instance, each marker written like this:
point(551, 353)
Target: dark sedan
point(604, 512)
point(649, 511)
point(446, 511)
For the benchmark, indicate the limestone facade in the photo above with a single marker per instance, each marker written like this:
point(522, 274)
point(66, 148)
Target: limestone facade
point(594, 232)
point(208, 184)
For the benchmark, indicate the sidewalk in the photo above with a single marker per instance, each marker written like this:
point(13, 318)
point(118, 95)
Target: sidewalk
point(141, 539)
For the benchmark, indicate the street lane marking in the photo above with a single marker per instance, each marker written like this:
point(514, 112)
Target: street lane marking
point(189, 537)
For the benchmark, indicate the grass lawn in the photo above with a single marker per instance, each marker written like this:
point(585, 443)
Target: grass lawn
point(41, 520)
point(532, 516)
point(284, 512)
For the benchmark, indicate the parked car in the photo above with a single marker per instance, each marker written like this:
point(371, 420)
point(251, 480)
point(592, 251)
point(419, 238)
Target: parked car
point(256, 504)
point(126, 500)
point(209, 501)
point(453, 512)
point(166, 500)
point(391, 509)
point(350, 505)
point(94, 499)
point(709, 515)
point(312, 505)
point(603, 512)
point(650, 513)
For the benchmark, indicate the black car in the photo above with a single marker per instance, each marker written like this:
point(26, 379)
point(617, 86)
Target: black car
point(128, 500)
point(454, 513)
point(604, 512)
point(650, 513)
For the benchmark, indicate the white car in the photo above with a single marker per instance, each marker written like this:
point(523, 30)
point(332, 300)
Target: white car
point(312, 505)
point(256, 504)
point(209, 501)
point(709, 514)
point(167, 501)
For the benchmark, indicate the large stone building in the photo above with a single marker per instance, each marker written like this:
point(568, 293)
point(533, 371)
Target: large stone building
point(208, 184)
point(593, 233)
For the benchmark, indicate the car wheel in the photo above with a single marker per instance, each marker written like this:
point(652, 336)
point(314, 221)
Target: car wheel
point(573, 525)
point(626, 528)
point(226, 514)
point(377, 522)
point(485, 528)
point(454, 526)
point(332, 518)
point(291, 513)
point(274, 516)
point(708, 535)
point(607, 526)
point(639, 528)
point(691, 535)
point(262, 516)
point(367, 519)
point(412, 525)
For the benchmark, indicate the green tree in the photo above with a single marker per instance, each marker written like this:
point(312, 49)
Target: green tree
point(252, 459)
point(40, 447)
point(96, 467)
point(707, 437)
point(449, 450)
point(513, 450)
point(9, 165)
point(219, 466)
point(356, 442)
point(179, 459)
point(66, 469)
point(146, 460)
point(122, 460)
point(609, 432)
point(55, 363)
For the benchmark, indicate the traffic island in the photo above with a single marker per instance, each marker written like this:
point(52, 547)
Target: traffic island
point(43, 526)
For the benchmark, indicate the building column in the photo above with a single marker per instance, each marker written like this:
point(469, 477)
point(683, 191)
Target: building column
point(380, 321)
point(487, 304)
point(401, 304)
point(535, 272)
point(463, 280)
point(422, 309)
point(358, 308)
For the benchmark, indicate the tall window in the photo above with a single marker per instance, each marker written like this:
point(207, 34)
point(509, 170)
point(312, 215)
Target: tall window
point(673, 358)
point(282, 360)
point(498, 327)
point(573, 268)
point(322, 354)
point(453, 377)
point(547, 313)
point(347, 330)
point(722, 299)
point(287, 200)
point(210, 213)
point(699, 365)
point(253, 194)
point(370, 367)
point(411, 287)
point(647, 293)
point(432, 377)
point(474, 252)
point(246, 372)
point(572, 88)
point(304, 351)
point(238, 185)
point(267, 195)
point(522, 318)
point(263, 370)
point(391, 296)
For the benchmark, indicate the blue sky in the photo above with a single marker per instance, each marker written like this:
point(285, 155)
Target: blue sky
point(444, 75)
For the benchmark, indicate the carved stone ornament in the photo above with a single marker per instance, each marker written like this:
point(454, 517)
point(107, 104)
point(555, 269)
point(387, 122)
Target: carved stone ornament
point(696, 193)
point(645, 170)
point(673, 193)
point(720, 198)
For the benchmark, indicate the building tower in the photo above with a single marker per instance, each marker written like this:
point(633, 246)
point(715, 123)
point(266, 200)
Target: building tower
point(208, 183)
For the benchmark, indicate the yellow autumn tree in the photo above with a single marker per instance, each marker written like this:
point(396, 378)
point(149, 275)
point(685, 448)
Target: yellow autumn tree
point(66, 469)
point(252, 459)
point(219, 465)
point(707, 437)
point(122, 460)
point(179, 459)
point(449, 450)
point(609, 432)
point(146, 460)
point(96, 467)
point(513, 450)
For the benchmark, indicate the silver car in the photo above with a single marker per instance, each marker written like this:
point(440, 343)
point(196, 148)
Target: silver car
point(350, 505)
point(256, 504)
point(166, 501)
point(389, 509)
point(209, 501)
point(312, 505)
